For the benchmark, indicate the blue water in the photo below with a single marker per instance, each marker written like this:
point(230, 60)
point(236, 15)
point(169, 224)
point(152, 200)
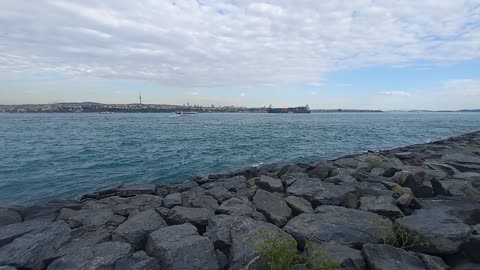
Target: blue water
point(45, 156)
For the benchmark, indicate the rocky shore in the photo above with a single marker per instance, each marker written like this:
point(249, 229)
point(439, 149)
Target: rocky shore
point(414, 207)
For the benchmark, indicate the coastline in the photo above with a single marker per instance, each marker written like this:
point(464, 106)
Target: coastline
point(431, 189)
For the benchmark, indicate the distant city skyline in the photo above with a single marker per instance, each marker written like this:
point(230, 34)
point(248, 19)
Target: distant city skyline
point(385, 55)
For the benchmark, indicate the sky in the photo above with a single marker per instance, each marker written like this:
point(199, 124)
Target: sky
point(357, 54)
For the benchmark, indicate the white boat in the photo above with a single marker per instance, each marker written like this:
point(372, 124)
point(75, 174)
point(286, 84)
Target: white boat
point(186, 113)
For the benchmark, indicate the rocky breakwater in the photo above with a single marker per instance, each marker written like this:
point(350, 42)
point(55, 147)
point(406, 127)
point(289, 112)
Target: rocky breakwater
point(415, 207)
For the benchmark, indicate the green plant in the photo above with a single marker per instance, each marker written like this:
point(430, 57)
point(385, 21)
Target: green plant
point(317, 259)
point(373, 161)
point(395, 234)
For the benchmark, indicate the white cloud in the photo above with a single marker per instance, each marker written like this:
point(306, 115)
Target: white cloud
point(395, 93)
point(216, 43)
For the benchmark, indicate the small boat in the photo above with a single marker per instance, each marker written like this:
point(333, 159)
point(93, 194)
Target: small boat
point(186, 113)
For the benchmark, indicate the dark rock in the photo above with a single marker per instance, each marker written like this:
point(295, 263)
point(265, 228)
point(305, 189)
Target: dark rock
point(290, 178)
point(332, 223)
point(136, 229)
point(179, 247)
point(45, 211)
point(235, 184)
point(382, 205)
point(438, 188)
point(378, 171)
point(442, 232)
point(259, 216)
point(197, 197)
point(222, 259)
point(181, 187)
point(445, 168)
point(347, 257)
point(164, 212)
point(461, 158)
point(298, 205)
point(321, 170)
point(137, 261)
point(270, 184)
point(196, 216)
point(320, 193)
point(346, 162)
point(273, 207)
point(171, 200)
point(409, 155)
point(97, 257)
point(237, 207)
point(389, 172)
point(247, 192)
point(8, 216)
point(369, 189)
point(219, 227)
point(471, 248)
point(461, 189)
point(287, 169)
point(345, 178)
point(7, 267)
point(385, 257)
point(432, 262)
point(136, 189)
point(34, 249)
point(91, 217)
point(220, 193)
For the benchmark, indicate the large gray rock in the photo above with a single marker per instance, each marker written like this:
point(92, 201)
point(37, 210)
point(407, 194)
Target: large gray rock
point(137, 261)
point(443, 233)
point(172, 200)
point(347, 257)
point(236, 207)
point(320, 193)
point(7, 267)
point(128, 190)
point(471, 248)
point(33, 249)
point(382, 205)
point(44, 211)
point(462, 189)
point(340, 178)
point(197, 197)
point(245, 236)
point(385, 257)
point(461, 158)
point(98, 257)
point(196, 216)
point(220, 193)
point(270, 184)
point(179, 247)
point(12, 231)
point(219, 227)
point(273, 207)
point(299, 205)
point(91, 217)
point(235, 184)
point(345, 226)
point(432, 262)
point(136, 229)
point(8, 216)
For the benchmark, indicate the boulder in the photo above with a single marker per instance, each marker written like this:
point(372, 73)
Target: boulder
point(136, 229)
point(385, 257)
point(196, 216)
point(137, 261)
point(179, 247)
point(219, 227)
point(220, 193)
point(290, 178)
point(222, 259)
point(7, 267)
point(298, 205)
point(345, 226)
point(197, 197)
point(172, 200)
point(382, 205)
point(461, 158)
point(441, 232)
point(235, 184)
point(377, 171)
point(236, 207)
point(136, 189)
point(45, 211)
point(341, 178)
point(432, 262)
point(273, 207)
point(97, 257)
point(347, 257)
point(270, 184)
point(91, 217)
point(8, 216)
point(461, 189)
point(368, 189)
point(320, 193)
point(471, 248)
point(34, 249)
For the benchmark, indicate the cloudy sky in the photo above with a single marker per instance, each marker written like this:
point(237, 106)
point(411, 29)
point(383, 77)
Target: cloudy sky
point(366, 54)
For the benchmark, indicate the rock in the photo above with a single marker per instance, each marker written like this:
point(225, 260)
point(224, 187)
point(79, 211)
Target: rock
point(377, 171)
point(442, 232)
point(462, 189)
point(471, 248)
point(369, 189)
point(319, 193)
point(273, 207)
point(298, 205)
point(197, 197)
point(7, 267)
point(389, 172)
point(341, 178)
point(91, 217)
point(219, 227)
point(247, 192)
point(8, 216)
point(405, 201)
point(333, 223)
point(346, 162)
point(382, 205)
point(385, 257)
point(236, 207)
point(46, 211)
point(290, 178)
point(438, 188)
point(12, 231)
point(270, 184)
point(33, 249)
point(461, 158)
point(222, 259)
point(414, 181)
point(235, 184)
point(259, 216)
point(220, 193)
point(137, 261)
point(347, 257)
point(171, 200)
point(136, 189)
point(409, 155)
point(432, 262)
point(97, 257)
point(179, 247)
point(288, 169)
point(196, 216)
point(322, 170)
point(136, 229)
point(245, 236)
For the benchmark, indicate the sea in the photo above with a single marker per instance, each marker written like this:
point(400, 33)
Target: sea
point(55, 155)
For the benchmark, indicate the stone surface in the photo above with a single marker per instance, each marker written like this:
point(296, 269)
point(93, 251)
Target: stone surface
point(320, 193)
point(220, 193)
point(298, 205)
point(219, 227)
point(137, 261)
point(97, 257)
point(236, 207)
point(347, 257)
point(179, 247)
point(273, 207)
point(172, 200)
point(136, 189)
point(471, 248)
point(270, 184)
point(444, 233)
point(385, 257)
point(197, 197)
point(333, 223)
point(91, 217)
point(432, 262)
point(196, 216)
point(136, 229)
point(382, 205)
point(8, 216)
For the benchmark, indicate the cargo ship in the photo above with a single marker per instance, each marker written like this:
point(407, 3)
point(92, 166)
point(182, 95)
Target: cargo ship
point(302, 109)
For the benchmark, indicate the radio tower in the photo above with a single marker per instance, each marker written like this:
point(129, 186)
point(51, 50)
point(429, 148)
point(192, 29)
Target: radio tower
point(140, 97)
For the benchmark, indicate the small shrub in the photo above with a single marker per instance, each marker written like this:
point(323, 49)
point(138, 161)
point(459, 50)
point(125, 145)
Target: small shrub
point(373, 161)
point(317, 259)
